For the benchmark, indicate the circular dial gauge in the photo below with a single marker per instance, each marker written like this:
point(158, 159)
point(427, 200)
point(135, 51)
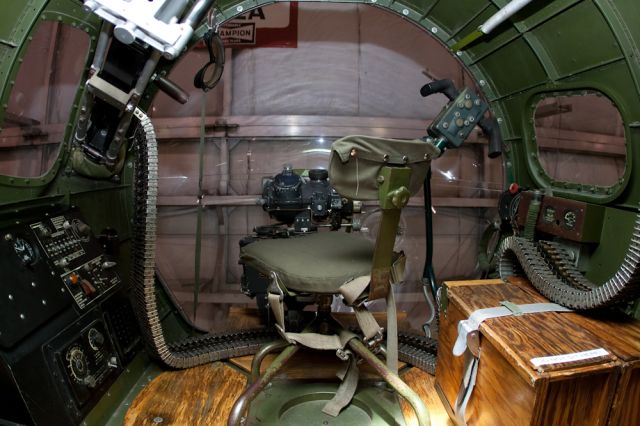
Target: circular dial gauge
point(25, 251)
point(549, 214)
point(570, 218)
point(77, 364)
point(96, 339)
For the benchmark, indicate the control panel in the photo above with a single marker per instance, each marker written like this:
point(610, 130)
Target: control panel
point(69, 245)
point(66, 322)
point(569, 219)
point(87, 361)
point(48, 264)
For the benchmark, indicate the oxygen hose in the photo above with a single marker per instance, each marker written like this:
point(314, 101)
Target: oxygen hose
point(428, 274)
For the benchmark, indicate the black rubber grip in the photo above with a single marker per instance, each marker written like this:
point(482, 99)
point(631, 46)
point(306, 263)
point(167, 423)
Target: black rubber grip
point(172, 89)
point(490, 127)
point(445, 86)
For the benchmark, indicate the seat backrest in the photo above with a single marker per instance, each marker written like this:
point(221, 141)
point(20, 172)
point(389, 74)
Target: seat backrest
point(388, 170)
point(356, 162)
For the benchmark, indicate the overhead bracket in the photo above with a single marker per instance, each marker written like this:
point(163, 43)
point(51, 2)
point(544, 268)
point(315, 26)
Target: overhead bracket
point(155, 23)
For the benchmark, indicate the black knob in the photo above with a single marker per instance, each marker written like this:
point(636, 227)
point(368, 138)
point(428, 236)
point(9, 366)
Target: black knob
point(318, 174)
point(82, 228)
point(44, 232)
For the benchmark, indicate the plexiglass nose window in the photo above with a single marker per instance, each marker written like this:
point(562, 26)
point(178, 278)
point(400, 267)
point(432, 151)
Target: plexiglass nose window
point(352, 69)
point(41, 98)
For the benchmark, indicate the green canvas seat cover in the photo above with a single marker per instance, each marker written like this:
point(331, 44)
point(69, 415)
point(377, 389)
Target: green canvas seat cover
point(317, 263)
point(356, 162)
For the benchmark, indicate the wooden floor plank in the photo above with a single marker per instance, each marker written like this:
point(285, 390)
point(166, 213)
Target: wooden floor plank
point(204, 395)
point(199, 396)
point(423, 384)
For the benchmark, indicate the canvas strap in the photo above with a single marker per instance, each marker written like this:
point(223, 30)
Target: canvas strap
point(353, 292)
point(311, 340)
point(348, 376)
point(469, 328)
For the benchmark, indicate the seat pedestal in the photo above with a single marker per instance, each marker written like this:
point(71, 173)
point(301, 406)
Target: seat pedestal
point(294, 403)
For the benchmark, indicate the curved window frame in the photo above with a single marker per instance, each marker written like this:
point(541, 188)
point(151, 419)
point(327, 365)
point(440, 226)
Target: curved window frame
point(88, 27)
point(586, 192)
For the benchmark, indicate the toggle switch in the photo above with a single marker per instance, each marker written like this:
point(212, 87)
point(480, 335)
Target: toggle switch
point(73, 278)
point(88, 289)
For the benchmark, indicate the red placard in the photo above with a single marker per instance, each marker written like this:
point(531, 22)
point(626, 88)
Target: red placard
point(275, 25)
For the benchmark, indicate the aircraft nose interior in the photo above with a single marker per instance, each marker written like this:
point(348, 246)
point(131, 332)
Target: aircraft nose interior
point(356, 212)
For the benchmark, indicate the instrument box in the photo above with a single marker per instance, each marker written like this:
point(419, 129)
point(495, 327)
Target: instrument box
point(535, 369)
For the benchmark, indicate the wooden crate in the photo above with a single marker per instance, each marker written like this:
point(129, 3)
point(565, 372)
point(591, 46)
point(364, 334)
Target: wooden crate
point(509, 389)
point(621, 336)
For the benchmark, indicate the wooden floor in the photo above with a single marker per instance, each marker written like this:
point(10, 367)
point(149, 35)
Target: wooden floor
point(204, 395)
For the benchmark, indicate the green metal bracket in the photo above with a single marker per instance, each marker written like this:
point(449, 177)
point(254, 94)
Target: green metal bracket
point(393, 195)
point(393, 192)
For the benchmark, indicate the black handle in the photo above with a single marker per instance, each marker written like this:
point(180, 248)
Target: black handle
point(489, 125)
point(445, 86)
point(209, 75)
point(172, 89)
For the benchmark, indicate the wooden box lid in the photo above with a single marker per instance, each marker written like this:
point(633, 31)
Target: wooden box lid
point(522, 338)
point(620, 333)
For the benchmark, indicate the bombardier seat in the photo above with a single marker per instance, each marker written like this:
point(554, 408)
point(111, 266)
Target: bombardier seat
point(324, 264)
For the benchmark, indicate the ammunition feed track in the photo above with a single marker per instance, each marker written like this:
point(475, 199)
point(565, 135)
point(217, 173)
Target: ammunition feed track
point(551, 271)
point(193, 351)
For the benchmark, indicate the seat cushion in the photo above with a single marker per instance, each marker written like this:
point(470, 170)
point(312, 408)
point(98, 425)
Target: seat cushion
point(316, 263)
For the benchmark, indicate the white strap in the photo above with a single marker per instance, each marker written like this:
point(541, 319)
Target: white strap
point(478, 317)
point(466, 387)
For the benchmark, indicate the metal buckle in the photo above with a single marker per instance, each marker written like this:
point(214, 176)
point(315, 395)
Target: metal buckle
point(515, 309)
point(343, 354)
point(374, 343)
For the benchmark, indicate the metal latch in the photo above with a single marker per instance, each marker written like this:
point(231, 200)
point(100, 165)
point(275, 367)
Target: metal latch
point(515, 309)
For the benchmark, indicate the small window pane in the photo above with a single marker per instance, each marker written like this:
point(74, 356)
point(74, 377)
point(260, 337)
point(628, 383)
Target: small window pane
point(41, 100)
point(581, 139)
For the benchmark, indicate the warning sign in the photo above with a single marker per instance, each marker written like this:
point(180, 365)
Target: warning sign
point(275, 25)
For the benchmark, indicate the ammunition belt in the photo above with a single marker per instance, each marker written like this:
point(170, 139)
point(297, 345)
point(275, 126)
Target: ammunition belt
point(553, 273)
point(205, 348)
point(418, 351)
